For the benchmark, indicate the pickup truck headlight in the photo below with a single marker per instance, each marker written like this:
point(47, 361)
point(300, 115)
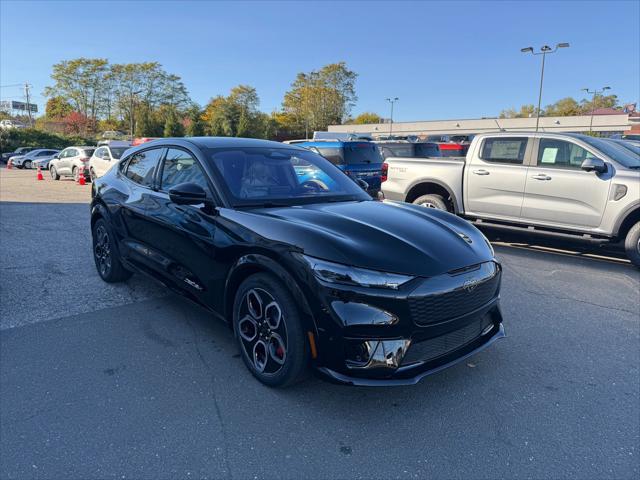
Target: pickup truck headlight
point(345, 275)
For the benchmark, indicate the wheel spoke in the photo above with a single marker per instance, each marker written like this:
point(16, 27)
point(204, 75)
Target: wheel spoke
point(254, 304)
point(277, 349)
point(248, 329)
point(260, 355)
point(272, 315)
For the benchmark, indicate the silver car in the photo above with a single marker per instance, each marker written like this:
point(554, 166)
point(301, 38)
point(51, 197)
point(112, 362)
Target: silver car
point(26, 161)
point(70, 162)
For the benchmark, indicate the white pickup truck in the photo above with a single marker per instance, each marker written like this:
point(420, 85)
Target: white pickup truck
point(567, 185)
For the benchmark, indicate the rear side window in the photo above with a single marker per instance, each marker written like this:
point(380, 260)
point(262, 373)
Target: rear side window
point(504, 150)
point(180, 167)
point(333, 154)
point(142, 166)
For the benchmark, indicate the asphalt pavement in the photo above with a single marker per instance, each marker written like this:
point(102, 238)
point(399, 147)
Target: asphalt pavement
point(130, 381)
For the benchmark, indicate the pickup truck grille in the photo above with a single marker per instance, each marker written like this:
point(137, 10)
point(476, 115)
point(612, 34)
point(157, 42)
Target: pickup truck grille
point(464, 297)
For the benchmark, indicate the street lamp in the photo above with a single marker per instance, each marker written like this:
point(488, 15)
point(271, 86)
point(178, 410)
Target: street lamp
point(595, 92)
point(133, 94)
point(391, 101)
point(544, 50)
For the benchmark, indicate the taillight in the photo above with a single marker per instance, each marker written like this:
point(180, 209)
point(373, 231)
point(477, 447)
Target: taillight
point(384, 172)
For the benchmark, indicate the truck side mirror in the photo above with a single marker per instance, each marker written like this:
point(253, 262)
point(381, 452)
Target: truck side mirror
point(593, 164)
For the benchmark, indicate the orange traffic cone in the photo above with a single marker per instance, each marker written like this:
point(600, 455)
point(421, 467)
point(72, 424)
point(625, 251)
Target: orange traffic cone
point(40, 177)
point(81, 180)
point(9, 165)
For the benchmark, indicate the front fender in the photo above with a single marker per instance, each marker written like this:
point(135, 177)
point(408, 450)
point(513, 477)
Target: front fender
point(257, 262)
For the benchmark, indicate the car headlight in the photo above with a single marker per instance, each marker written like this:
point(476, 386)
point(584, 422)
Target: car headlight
point(345, 275)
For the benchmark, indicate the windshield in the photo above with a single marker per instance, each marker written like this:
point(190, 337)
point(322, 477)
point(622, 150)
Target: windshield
point(116, 152)
point(629, 146)
point(364, 152)
point(616, 152)
point(280, 176)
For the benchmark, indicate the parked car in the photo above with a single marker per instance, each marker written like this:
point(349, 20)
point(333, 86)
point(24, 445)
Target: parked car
point(571, 186)
point(358, 159)
point(8, 124)
point(70, 161)
point(18, 151)
point(106, 156)
point(43, 162)
point(26, 161)
point(366, 292)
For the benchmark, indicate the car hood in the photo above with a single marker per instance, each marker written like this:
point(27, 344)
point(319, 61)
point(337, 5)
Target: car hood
point(387, 236)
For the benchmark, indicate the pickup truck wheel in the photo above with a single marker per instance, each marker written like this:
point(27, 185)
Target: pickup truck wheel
point(431, 201)
point(632, 244)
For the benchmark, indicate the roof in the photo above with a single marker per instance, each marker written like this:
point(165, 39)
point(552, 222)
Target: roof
point(606, 111)
point(221, 142)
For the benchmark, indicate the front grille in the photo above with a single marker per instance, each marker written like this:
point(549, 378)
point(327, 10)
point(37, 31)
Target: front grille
point(442, 306)
point(436, 347)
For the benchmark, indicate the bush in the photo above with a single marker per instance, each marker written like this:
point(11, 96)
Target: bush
point(11, 139)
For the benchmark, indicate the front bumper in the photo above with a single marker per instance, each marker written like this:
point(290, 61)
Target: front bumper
point(397, 337)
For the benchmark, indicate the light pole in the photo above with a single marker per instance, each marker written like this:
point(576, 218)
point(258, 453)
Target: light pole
point(133, 94)
point(391, 101)
point(595, 92)
point(544, 50)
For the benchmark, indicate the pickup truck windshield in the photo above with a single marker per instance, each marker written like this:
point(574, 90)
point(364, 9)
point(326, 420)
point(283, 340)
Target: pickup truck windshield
point(618, 153)
point(256, 177)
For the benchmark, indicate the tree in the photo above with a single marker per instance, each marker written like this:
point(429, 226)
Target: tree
point(57, 107)
point(563, 108)
point(320, 98)
point(195, 125)
point(172, 126)
point(82, 82)
point(235, 115)
point(600, 101)
point(525, 111)
point(367, 118)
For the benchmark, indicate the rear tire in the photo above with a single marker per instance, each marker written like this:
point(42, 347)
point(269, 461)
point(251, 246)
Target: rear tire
point(432, 201)
point(271, 338)
point(632, 244)
point(92, 175)
point(54, 173)
point(76, 174)
point(27, 165)
point(106, 255)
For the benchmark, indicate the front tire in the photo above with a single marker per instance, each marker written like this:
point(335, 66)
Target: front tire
point(92, 175)
point(268, 327)
point(106, 255)
point(431, 201)
point(632, 244)
point(54, 173)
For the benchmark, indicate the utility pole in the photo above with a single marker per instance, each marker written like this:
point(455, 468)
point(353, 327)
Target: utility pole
point(544, 50)
point(391, 101)
point(26, 93)
point(595, 93)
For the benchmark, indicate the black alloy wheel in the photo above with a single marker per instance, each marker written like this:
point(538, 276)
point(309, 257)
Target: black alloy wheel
point(268, 327)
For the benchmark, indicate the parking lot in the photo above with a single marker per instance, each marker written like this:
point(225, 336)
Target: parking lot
point(129, 380)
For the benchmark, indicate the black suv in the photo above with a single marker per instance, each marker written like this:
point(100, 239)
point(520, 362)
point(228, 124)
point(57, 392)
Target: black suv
point(299, 260)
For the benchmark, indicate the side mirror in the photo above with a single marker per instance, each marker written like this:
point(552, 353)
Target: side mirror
point(187, 194)
point(594, 165)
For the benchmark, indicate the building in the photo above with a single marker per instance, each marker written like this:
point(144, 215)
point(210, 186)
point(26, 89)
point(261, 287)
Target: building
point(606, 124)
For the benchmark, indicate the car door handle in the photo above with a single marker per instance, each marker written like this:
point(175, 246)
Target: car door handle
point(481, 172)
point(541, 176)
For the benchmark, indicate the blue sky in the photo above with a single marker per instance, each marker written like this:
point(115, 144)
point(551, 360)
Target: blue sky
point(442, 59)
